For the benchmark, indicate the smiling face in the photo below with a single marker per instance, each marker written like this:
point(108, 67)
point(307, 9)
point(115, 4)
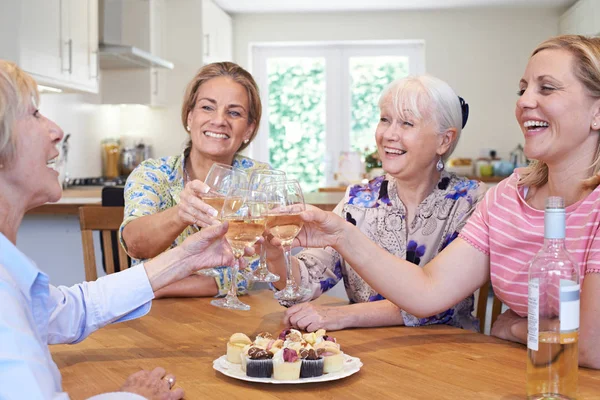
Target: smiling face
point(219, 120)
point(555, 111)
point(408, 147)
point(30, 175)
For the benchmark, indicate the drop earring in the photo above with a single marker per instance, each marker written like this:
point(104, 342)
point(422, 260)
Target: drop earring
point(440, 165)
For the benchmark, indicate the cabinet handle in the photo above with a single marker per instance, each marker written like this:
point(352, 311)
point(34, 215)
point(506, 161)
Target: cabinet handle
point(70, 44)
point(207, 44)
point(155, 91)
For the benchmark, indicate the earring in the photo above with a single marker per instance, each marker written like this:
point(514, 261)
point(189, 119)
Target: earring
point(594, 124)
point(187, 128)
point(440, 165)
point(246, 141)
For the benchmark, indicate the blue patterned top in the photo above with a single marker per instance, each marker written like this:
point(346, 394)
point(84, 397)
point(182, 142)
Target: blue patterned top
point(155, 185)
point(376, 209)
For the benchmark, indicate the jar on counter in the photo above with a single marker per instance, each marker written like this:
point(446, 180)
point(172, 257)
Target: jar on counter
point(111, 151)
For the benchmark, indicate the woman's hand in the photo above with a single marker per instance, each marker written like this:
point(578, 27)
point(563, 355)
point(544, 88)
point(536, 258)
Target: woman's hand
point(192, 210)
point(321, 229)
point(509, 326)
point(310, 317)
point(153, 385)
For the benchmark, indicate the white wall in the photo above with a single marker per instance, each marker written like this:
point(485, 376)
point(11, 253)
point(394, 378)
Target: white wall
point(480, 53)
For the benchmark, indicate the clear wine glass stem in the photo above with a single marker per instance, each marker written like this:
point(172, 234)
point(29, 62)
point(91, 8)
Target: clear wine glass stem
point(262, 262)
point(287, 252)
point(232, 292)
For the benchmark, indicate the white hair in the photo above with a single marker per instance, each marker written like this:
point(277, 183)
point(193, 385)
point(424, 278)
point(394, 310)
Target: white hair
point(424, 97)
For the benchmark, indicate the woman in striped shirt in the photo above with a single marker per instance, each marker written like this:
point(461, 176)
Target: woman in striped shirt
point(558, 111)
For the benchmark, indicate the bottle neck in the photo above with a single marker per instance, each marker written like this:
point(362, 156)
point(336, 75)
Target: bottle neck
point(554, 224)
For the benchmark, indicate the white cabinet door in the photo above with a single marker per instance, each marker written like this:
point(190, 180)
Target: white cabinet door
point(40, 40)
point(216, 25)
point(83, 43)
point(158, 75)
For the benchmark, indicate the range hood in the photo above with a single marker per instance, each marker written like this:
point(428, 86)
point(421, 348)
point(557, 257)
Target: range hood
point(126, 37)
point(117, 56)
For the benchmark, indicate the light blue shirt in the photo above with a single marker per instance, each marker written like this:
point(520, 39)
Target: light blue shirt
point(34, 314)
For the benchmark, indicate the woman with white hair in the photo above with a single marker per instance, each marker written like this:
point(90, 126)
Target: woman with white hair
point(35, 313)
point(413, 211)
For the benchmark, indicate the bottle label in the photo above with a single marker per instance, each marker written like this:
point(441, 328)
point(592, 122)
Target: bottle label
point(533, 314)
point(569, 307)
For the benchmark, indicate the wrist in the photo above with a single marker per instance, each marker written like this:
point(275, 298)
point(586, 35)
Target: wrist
point(167, 268)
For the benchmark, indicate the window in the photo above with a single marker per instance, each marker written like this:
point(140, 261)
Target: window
point(321, 100)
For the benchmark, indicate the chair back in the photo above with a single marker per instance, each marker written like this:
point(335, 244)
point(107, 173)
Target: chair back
point(482, 304)
point(105, 220)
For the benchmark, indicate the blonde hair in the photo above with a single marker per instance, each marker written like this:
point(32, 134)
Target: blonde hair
point(426, 94)
point(237, 74)
point(18, 91)
point(586, 51)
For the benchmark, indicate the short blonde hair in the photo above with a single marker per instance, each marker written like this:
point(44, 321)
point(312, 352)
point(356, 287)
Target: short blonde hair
point(426, 95)
point(586, 51)
point(18, 91)
point(237, 74)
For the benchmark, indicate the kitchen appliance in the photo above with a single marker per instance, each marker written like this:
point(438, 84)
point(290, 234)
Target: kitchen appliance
point(131, 157)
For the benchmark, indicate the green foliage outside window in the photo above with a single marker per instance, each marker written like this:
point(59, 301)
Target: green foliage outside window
point(297, 118)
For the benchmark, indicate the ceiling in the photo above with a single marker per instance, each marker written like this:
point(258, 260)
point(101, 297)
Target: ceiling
point(262, 6)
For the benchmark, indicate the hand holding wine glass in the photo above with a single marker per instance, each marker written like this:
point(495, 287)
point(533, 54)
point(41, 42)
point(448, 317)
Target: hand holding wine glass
point(221, 178)
point(286, 201)
point(245, 211)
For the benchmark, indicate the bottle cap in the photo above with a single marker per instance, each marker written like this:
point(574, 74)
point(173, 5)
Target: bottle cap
point(555, 202)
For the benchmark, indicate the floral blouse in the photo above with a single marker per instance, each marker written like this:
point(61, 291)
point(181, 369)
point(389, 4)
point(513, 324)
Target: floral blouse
point(377, 211)
point(155, 185)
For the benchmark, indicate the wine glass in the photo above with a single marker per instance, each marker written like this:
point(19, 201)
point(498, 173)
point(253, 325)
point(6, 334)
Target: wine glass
point(246, 212)
point(258, 180)
point(221, 178)
point(285, 203)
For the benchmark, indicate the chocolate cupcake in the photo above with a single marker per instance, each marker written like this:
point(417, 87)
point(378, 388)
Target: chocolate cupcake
point(312, 363)
point(259, 363)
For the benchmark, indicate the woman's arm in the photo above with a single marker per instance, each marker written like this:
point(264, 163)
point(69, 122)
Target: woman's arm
point(310, 317)
point(192, 286)
point(589, 329)
point(451, 276)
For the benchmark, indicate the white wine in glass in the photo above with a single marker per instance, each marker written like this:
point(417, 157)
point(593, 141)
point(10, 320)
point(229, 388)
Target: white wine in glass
point(246, 212)
point(221, 178)
point(285, 203)
point(258, 180)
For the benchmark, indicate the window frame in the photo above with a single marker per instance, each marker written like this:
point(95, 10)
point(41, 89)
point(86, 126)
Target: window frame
point(337, 83)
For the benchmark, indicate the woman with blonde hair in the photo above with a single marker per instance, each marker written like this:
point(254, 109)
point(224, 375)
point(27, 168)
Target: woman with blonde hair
point(35, 313)
point(558, 111)
point(221, 112)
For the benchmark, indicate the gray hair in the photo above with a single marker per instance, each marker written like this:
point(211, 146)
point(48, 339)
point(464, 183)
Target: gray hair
point(430, 96)
point(18, 91)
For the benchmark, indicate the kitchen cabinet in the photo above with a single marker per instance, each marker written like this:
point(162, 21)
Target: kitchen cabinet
point(217, 33)
point(56, 41)
point(135, 84)
point(583, 18)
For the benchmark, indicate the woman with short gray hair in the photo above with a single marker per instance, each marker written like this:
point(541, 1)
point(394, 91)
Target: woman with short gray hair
point(413, 211)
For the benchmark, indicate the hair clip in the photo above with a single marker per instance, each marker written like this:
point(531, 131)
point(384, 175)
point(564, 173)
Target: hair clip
point(464, 107)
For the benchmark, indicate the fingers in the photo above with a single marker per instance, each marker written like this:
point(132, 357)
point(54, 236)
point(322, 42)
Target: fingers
point(177, 394)
point(198, 187)
point(158, 373)
point(292, 314)
point(214, 231)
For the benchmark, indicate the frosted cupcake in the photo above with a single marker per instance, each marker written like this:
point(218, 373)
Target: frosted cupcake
point(333, 358)
point(235, 346)
point(312, 363)
point(313, 338)
point(286, 365)
point(259, 363)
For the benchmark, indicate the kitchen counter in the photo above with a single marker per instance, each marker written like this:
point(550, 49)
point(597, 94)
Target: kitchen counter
point(70, 201)
point(74, 198)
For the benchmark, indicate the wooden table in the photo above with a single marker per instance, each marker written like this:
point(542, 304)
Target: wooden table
point(185, 335)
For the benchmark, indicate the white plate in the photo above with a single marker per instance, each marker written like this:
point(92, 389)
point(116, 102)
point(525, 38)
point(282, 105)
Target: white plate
point(351, 366)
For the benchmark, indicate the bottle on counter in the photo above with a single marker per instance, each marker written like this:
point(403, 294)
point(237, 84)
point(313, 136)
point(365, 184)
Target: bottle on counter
point(553, 313)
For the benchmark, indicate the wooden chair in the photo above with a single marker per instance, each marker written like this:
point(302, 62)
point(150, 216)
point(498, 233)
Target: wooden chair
point(482, 301)
point(105, 220)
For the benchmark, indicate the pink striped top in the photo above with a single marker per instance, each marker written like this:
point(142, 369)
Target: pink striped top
point(511, 232)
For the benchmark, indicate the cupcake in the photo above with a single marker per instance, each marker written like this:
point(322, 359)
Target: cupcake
point(263, 339)
point(313, 338)
point(274, 345)
point(243, 355)
point(333, 358)
point(312, 363)
point(259, 363)
point(236, 344)
point(286, 365)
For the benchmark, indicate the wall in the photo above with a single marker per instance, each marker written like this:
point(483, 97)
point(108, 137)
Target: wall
point(481, 53)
